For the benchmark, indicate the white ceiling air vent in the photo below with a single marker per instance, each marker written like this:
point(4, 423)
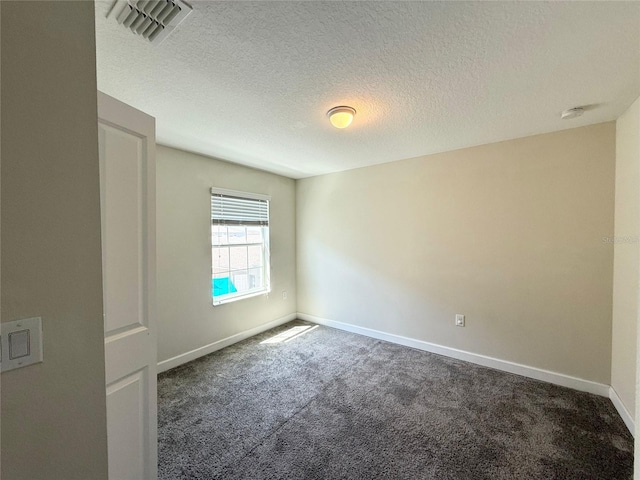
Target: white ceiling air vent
point(153, 19)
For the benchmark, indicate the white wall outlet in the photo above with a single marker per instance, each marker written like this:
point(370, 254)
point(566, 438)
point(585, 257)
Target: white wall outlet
point(459, 320)
point(284, 294)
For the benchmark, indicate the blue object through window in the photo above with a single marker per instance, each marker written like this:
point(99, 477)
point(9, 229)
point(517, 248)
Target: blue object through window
point(222, 286)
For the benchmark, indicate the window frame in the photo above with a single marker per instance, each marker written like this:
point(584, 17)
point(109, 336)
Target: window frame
point(266, 246)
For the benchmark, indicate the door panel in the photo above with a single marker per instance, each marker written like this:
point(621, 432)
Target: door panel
point(123, 250)
point(127, 426)
point(127, 193)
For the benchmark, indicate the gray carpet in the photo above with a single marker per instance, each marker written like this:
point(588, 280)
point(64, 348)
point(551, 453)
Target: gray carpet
point(334, 405)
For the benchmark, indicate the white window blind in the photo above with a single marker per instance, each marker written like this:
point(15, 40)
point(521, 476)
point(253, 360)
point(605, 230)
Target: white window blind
point(227, 209)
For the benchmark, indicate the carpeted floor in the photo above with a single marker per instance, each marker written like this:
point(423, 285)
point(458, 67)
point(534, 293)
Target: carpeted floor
point(334, 405)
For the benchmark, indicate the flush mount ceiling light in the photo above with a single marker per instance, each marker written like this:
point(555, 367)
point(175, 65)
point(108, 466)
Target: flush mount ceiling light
point(341, 117)
point(572, 113)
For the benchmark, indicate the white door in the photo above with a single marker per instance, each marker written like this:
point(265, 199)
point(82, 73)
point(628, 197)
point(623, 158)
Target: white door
point(127, 193)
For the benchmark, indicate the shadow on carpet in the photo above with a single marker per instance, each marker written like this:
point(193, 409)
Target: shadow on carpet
point(328, 404)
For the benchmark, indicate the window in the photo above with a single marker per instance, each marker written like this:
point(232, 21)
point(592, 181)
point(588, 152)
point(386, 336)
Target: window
point(239, 245)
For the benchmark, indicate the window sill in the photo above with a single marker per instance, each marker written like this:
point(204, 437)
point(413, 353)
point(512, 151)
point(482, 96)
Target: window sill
point(240, 297)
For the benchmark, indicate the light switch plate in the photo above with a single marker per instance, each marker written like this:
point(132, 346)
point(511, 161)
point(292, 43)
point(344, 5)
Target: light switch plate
point(21, 343)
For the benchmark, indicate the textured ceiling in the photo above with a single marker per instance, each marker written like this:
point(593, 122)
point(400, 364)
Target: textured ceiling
point(250, 82)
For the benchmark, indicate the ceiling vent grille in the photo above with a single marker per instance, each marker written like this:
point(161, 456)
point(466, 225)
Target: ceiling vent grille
point(153, 20)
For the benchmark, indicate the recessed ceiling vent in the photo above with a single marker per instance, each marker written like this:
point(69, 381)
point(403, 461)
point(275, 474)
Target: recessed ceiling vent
point(153, 20)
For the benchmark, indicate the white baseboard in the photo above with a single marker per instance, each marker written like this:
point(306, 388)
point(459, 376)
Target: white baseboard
point(504, 365)
point(225, 342)
point(622, 410)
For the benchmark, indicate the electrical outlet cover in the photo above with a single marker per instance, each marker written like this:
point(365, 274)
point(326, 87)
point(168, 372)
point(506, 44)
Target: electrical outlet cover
point(21, 343)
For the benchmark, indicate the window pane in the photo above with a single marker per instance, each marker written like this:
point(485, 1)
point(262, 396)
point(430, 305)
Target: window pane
point(222, 284)
point(241, 280)
point(254, 234)
point(238, 258)
point(237, 234)
point(256, 277)
point(220, 256)
point(254, 256)
point(218, 235)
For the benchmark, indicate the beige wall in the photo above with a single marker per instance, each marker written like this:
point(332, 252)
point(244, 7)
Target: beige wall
point(53, 413)
point(187, 320)
point(509, 234)
point(626, 256)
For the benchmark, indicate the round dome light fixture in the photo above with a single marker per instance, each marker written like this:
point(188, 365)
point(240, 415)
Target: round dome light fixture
point(572, 113)
point(341, 117)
